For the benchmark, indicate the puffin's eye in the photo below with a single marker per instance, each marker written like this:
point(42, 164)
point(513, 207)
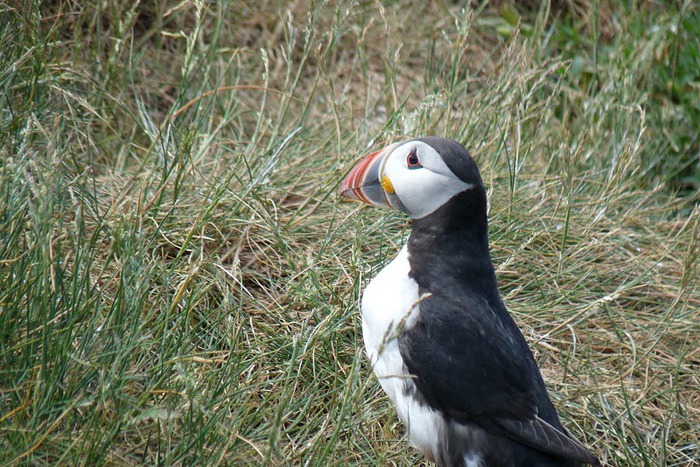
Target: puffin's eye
point(412, 161)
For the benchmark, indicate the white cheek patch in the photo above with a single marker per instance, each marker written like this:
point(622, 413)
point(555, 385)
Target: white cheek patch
point(430, 192)
point(421, 191)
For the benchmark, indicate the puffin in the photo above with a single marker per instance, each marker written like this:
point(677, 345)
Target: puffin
point(437, 334)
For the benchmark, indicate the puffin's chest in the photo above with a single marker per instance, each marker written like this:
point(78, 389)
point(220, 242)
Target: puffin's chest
point(390, 304)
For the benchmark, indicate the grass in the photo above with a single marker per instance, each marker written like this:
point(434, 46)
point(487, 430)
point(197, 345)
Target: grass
point(179, 283)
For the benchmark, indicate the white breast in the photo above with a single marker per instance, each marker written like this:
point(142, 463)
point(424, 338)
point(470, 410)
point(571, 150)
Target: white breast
point(391, 304)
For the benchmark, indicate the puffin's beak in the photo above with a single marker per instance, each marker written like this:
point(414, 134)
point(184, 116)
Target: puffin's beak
point(364, 182)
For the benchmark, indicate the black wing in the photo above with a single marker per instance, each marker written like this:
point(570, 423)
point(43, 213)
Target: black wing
point(542, 436)
point(467, 363)
point(475, 367)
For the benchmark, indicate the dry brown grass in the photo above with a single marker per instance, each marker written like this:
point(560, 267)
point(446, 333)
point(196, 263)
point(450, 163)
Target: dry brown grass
point(180, 283)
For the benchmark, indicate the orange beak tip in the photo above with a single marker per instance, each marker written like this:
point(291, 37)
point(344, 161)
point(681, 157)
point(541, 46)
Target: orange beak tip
point(363, 182)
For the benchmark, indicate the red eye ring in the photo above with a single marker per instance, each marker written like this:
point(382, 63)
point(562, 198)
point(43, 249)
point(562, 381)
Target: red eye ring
point(412, 161)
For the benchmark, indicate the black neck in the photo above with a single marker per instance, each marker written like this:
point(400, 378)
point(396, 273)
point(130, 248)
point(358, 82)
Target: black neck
point(449, 249)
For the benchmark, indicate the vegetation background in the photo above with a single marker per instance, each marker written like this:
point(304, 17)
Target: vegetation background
point(179, 282)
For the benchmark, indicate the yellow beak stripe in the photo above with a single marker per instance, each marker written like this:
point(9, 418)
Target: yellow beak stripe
point(388, 187)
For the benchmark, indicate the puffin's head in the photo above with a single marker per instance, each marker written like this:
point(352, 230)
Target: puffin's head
point(416, 176)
